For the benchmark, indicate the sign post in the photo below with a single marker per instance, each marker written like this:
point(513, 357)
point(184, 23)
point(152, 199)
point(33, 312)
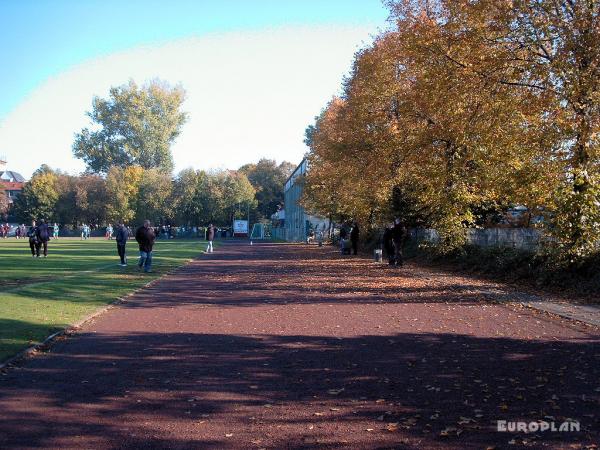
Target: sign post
point(240, 228)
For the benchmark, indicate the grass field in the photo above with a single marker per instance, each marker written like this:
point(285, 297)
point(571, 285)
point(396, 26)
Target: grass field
point(39, 296)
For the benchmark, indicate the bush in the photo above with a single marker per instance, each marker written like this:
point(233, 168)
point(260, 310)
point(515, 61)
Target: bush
point(510, 264)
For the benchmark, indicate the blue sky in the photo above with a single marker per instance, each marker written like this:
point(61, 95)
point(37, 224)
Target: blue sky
point(43, 41)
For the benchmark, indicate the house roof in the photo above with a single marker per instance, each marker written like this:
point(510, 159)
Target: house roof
point(13, 177)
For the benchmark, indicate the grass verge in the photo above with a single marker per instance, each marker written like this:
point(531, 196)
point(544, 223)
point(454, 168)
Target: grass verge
point(39, 296)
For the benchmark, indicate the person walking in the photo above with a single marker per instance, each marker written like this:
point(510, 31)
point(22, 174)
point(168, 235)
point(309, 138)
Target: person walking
point(145, 237)
point(388, 244)
point(399, 233)
point(210, 237)
point(121, 236)
point(354, 235)
point(34, 244)
point(55, 230)
point(43, 233)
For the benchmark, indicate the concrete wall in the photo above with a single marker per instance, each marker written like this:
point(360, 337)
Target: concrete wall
point(519, 238)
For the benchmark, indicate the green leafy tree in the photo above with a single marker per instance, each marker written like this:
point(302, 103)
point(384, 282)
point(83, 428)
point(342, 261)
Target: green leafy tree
point(91, 199)
point(237, 191)
point(122, 186)
point(135, 126)
point(267, 178)
point(152, 199)
point(38, 198)
point(66, 209)
point(188, 210)
point(4, 205)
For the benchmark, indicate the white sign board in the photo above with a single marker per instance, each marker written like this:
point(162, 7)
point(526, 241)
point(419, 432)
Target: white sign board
point(240, 227)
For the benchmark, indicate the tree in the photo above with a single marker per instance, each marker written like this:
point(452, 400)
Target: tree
point(185, 197)
point(152, 199)
point(137, 126)
point(236, 190)
point(91, 199)
point(122, 186)
point(4, 205)
point(547, 53)
point(267, 178)
point(66, 210)
point(38, 198)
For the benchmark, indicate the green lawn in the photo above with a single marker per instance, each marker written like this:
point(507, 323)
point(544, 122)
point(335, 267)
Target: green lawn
point(39, 296)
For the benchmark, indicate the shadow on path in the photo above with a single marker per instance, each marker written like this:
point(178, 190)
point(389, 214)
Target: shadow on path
point(125, 388)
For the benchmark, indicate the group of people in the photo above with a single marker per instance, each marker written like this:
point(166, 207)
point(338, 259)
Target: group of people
point(349, 239)
point(38, 235)
point(4, 230)
point(86, 232)
point(21, 231)
point(394, 236)
point(145, 237)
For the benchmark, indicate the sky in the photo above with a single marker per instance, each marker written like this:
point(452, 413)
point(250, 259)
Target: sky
point(256, 72)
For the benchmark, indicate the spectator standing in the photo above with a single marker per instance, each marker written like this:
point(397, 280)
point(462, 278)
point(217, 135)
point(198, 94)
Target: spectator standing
point(109, 231)
point(145, 237)
point(354, 235)
point(34, 244)
point(43, 233)
point(55, 230)
point(210, 237)
point(388, 244)
point(121, 236)
point(399, 233)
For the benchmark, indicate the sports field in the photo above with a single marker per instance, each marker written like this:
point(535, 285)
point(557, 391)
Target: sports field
point(39, 296)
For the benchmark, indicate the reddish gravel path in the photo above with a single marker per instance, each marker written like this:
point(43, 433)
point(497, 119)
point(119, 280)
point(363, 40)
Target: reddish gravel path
point(290, 347)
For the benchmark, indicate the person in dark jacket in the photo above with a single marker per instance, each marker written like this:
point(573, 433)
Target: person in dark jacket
point(388, 244)
point(43, 234)
point(210, 237)
point(354, 235)
point(145, 237)
point(121, 236)
point(399, 233)
point(34, 243)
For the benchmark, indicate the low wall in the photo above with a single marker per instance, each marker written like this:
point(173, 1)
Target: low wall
point(519, 238)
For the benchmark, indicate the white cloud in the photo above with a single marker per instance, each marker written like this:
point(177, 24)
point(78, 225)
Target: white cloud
point(249, 94)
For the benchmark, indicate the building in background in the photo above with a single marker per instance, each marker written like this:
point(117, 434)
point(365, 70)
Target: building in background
point(11, 183)
point(297, 222)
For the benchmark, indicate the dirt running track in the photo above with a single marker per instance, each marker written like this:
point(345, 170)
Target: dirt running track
point(289, 347)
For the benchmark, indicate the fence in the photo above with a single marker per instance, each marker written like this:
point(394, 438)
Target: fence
point(278, 233)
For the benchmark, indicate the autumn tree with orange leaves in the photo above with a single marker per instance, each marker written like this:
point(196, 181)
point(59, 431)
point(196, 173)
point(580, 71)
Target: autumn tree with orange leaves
point(465, 106)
